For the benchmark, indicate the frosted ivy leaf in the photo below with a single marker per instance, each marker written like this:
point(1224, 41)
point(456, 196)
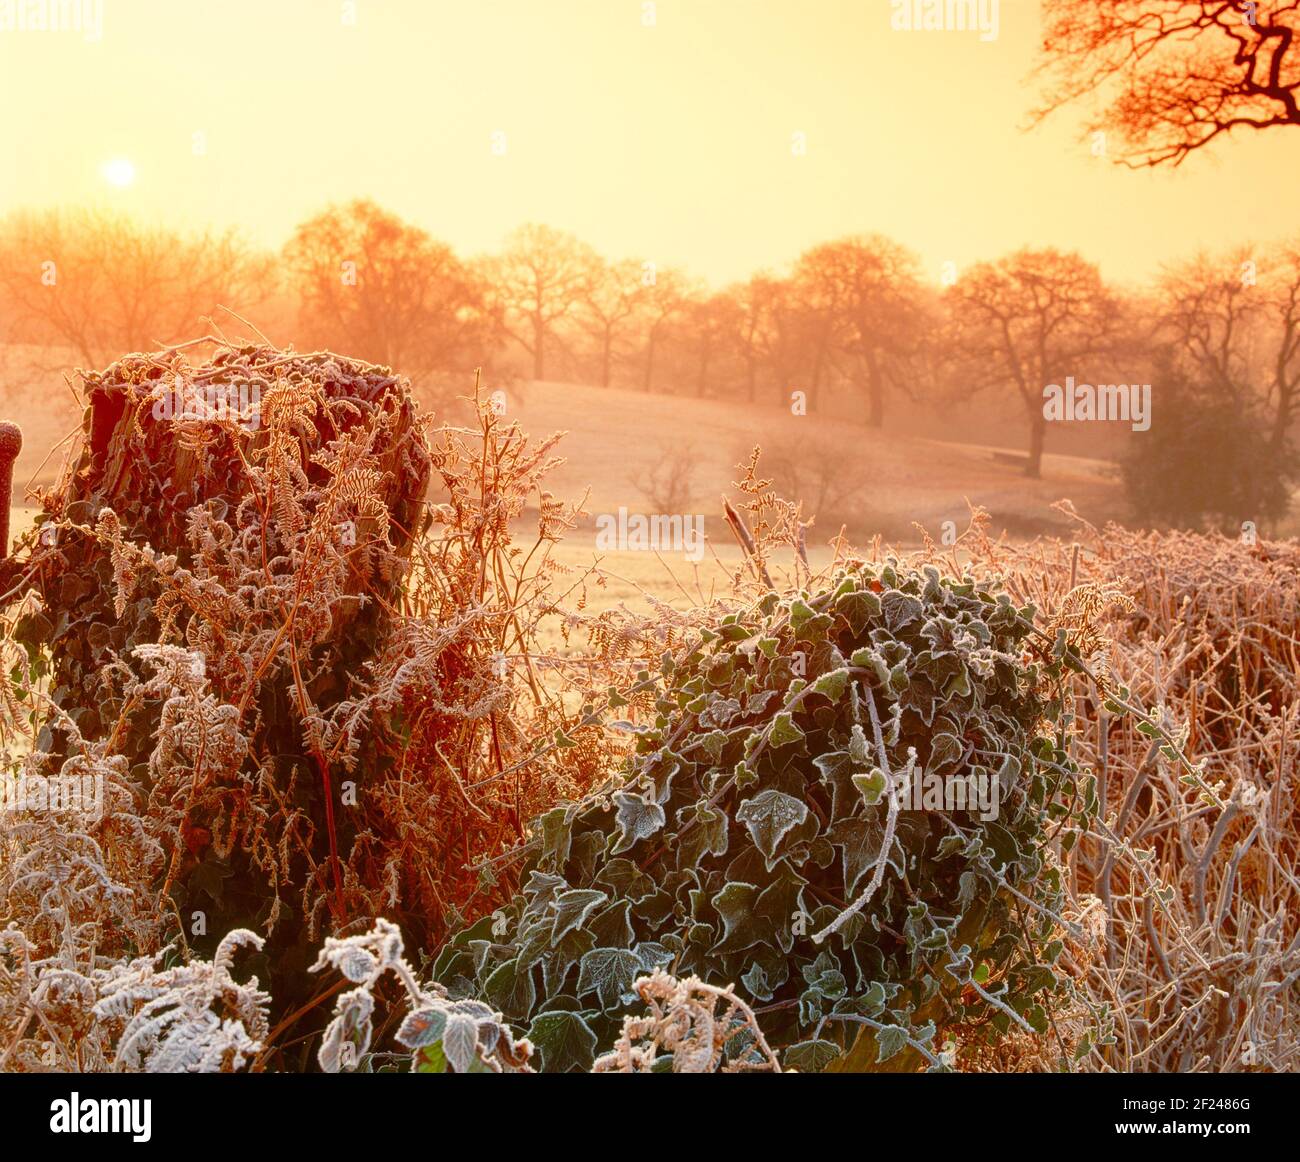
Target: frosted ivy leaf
point(832, 684)
point(890, 1041)
point(811, 1056)
point(610, 972)
point(735, 904)
point(783, 731)
point(652, 955)
point(572, 909)
point(565, 1041)
point(858, 751)
point(871, 786)
point(900, 609)
point(638, 818)
point(770, 815)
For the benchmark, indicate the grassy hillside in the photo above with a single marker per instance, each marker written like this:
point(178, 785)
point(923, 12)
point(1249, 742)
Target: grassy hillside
point(615, 437)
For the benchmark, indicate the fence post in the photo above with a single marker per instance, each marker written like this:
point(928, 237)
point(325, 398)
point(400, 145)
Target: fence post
point(11, 443)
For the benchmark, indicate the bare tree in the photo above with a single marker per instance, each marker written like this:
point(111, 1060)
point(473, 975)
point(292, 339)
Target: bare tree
point(1167, 77)
point(866, 295)
point(1210, 314)
point(103, 284)
point(666, 296)
point(1026, 319)
point(1282, 295)
point(610, 297)
point(773, 333)
point(540, 279)
point(380, 288)
point(751, 305)
point(668, 482)
point(710, 328)
point(1233, 325)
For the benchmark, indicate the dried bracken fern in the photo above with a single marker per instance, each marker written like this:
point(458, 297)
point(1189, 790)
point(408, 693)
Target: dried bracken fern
point(193, 1018)
point(1197, 892)
point(704, 1028)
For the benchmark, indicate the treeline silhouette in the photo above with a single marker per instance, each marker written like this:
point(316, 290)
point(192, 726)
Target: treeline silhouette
point(854, 320)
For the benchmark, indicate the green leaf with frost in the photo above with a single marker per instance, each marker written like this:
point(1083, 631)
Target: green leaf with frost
point(460, 1042)
point(871, 786)
point(832, 685)
point(564, 1041)
point(811, 1056)
point(783, 731)
point(890, 1041)
point(610, 974)
point(770, 816)
point(638, 818)
point(572, 909)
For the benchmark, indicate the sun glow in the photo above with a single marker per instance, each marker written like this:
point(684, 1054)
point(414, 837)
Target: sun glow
point(118, 172)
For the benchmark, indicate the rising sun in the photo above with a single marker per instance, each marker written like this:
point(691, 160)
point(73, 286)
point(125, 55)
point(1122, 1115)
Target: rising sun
point(119, 172)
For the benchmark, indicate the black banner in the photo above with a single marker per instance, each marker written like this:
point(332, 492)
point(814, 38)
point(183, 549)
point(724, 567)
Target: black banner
point(303, 1111)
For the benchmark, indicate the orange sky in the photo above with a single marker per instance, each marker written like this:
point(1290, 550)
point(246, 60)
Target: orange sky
point(670, 142)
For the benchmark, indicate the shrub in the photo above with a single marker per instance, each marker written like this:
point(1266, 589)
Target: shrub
point(760, 836)
point(830, 478)
point(1209, 462)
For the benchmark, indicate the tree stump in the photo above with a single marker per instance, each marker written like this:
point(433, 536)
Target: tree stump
point(218, 568)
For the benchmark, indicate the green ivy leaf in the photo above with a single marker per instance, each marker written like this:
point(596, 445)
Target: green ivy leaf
point(770, 815)
point(610, 974)
point(811, 1056)
point(890, 1041)
point(564, 1041)
point(832, 685)
point(572, 909)
point(784, 731)
point(871, 786)
point(638, 818)
point(510, 989)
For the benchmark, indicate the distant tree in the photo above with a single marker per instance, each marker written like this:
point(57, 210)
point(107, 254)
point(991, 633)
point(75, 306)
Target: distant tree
point(709, 331)
point(1025, 321)
point(1170, 76)
point(540, 280)
point(666, 296)
point(1233, 324)
point(773, 335)
point(377, 287)
point(609, 300)
point(762, 337)
point(1281, 286)
point(103, 284)
point(1210, 461)
point(1209, 314)
point(866, 297)
point(751, 306)
point(667, 482)
point(829, 477)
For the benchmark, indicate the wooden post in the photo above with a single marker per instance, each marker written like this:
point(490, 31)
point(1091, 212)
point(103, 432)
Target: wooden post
point(11, 443)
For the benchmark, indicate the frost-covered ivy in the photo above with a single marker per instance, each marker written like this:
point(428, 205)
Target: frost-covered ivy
point(744, 844)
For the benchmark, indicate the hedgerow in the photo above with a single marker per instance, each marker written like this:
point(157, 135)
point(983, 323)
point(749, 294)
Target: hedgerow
point(762, 834)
